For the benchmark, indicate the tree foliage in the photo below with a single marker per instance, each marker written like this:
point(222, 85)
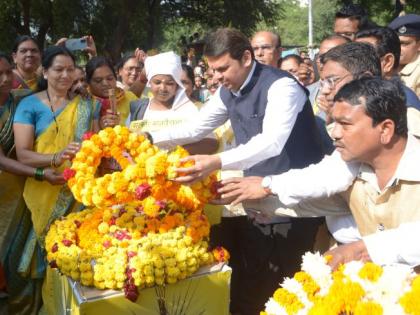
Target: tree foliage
point(121, 25)
point(293, 24)
point(384, 11)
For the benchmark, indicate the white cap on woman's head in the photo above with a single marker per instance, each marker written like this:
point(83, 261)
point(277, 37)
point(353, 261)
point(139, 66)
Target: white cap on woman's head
point(167, 63)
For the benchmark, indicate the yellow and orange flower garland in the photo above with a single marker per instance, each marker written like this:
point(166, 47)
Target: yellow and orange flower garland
point(144, 228)
point(143, 166)
point(355, 288)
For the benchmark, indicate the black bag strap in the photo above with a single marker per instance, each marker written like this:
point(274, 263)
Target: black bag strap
point(138, 108)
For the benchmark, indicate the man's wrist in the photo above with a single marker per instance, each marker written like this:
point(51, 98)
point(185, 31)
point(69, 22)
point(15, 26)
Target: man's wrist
point(217, 163)
point(266, 184)
point(362, 253)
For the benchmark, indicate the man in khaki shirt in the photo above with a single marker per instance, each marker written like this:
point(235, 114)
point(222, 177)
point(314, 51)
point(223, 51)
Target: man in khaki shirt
point(408, 29)
point(381, 187)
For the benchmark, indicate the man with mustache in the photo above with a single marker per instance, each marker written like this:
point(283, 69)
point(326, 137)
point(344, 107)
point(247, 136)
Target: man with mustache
point(371, 134)
point(340, 65)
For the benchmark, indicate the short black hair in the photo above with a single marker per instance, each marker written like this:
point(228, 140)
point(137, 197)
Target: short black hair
point(189, 71)
point(295, 57)
point(354, 12)
point(384, 99)
point(335, 37)
point(97, 62)
point(387, 42)
point(126, 57)
point(357, 58)
point(227, 40)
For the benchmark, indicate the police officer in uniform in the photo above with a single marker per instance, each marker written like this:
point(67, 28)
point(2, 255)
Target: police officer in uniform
point(408, 29)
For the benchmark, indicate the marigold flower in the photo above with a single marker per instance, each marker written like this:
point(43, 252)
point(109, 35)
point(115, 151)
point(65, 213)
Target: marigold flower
point(221, 254)
point(144, 242)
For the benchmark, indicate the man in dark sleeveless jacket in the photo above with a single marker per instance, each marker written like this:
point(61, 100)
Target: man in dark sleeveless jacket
point(275, 131)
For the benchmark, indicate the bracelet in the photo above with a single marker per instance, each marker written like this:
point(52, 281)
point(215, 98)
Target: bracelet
point(39, 174)
point(54, 162)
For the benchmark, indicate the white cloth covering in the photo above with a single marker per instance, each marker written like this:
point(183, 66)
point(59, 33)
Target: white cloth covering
point(167, 63)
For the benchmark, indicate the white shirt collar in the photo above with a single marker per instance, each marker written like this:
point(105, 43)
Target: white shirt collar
point(248, 78)
point(408, 167)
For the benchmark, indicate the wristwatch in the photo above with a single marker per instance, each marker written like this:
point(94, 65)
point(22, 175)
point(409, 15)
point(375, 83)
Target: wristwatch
point(266, 184)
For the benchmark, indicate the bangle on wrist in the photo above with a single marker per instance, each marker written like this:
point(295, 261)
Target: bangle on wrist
point(55, 162)
point(39, 174)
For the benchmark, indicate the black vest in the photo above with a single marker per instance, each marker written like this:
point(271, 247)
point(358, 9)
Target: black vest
point(247, 111)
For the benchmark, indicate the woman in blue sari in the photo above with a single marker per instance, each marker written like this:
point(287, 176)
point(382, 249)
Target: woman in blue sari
point(48, 128)
point(15, 218)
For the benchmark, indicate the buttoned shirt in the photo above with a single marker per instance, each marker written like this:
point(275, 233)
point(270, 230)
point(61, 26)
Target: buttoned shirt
point(410, 75)
point(285, 100)
point(388, 219)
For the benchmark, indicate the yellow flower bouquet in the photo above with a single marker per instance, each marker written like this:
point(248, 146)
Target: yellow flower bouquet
point(354, 288)
point(143, 229)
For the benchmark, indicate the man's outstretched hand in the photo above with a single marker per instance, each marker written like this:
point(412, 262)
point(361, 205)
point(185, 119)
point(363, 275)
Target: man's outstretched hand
point(203, 166)
point(237, 189)
point(348, 252)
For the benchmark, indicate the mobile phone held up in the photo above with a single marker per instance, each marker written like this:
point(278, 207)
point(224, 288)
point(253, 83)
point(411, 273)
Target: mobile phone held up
point(73, 44)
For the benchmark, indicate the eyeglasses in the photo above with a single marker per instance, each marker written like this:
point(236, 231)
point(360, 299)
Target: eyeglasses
point(262, 47)
point(331, 82)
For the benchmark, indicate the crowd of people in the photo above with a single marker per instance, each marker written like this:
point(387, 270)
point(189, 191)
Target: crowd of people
point(312, 154)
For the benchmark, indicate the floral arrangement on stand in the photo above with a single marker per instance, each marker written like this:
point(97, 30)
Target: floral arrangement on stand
point(354, 288)
point(142, 228)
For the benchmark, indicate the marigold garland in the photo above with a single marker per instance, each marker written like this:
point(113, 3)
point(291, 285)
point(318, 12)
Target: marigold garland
point(354, 288)
point(97, 246)
point(144, 228)
point(142, 164)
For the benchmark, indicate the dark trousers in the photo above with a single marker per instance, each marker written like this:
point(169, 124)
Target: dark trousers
point(261, 256)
